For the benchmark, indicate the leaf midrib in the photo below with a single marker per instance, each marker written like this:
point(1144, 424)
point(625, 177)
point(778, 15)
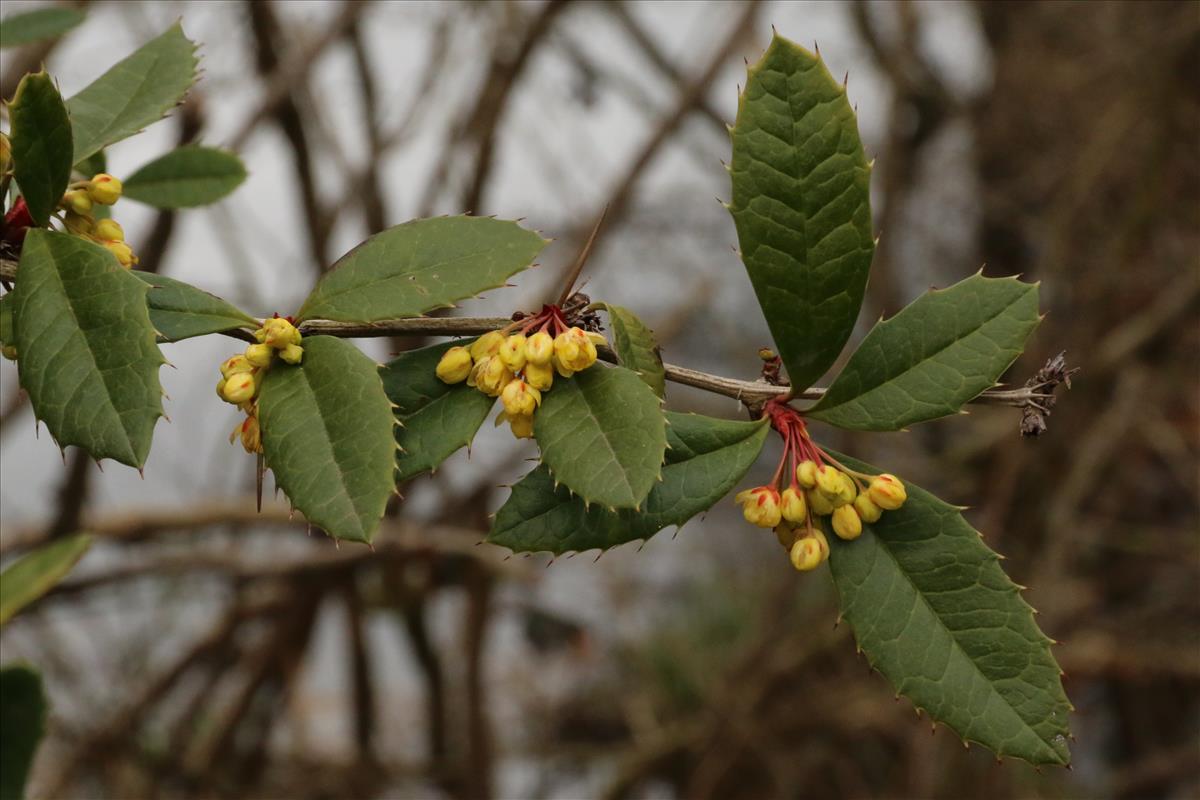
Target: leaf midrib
point(608, 442)
point(328, 440)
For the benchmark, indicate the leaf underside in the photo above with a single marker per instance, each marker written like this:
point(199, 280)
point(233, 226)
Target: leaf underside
point(932, 357)
point(436, 419)
point(87, 354)
point(801, 205)
point(186, 177)
point(134, 93)
point(180, 311)
point(36, 573)
point(602, 433)
point(39, 24)
point(327, 437)
point(636, 347)
point(705, 459)
point(933, 611)
point(419, 266)
point(41, 144)
point(22, 724)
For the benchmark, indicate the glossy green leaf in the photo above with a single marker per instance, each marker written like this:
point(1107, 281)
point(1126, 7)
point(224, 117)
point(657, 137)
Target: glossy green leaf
point(94, 164)
point(801, 204)
point(36, 573)
point(636, 347)
point(602, 433)
point(436, 419)
point(134, 93)
point(419, 266)
point(706, 458)
point(23, 712)
point(41, 144)
point(933, 611)
point(87, 354)
point(189, 176)
point(934, 356)
point(179, 310)
point(327, 437)
point(39, 24)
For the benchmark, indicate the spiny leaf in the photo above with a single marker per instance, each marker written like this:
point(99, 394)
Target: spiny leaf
point(87, 355)
point(38, 572)
point(635, 346)
point(602, 433)
point(41, 144)
point(932, 357)
point(180, 311)
point(22, 725)
point(934, 612)
point(39, 24)
point(705, 459)
point(436, 418)
point(419, 266)
point(327, 436)
point(134, 93)
point(188, 176)
point(801, 204)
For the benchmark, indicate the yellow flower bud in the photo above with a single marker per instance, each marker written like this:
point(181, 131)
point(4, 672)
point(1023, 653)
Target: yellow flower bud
point(104, 189)
point(574, 350)
point(819, 503)
point(806, 474)
point(559, 368)
point(109, 230)
point(846, 523)
point(236, 364)
point(539, 376)
point(487, 345)
point(793, 506)
point(78, 224)
point(259, 355)
point(221, 388)
point(521, 426)
point(512, 352)
point(492, 376)
point(806, 553)
point(238, 388)
point(849, 490)
point(819, 535)
point(248, 431)
point(539, 348)
point(829, 482)
point(9, 351)
point(786, 535)
point(866, 508)
point(760, 506)
point(887, 492)
point(279, 333)
point(520, 399)
point(122, 251)
point(455, 365)
point(292, 354)
point(77, 200)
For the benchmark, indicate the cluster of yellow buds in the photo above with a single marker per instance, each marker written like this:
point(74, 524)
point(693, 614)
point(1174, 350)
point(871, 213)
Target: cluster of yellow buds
point(518, 366)
point(818, 486)
point(242, 375)
point(78, 205)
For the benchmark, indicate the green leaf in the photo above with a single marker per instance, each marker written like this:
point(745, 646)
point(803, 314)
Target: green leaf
point(41, 144)
point(933, 611)
point(87, 355)
point(22, 725)
point(635, 346)
point(34, 574)
point(6, 320)
point(602, 433)
point(94, 164)
point(180, 311)
point(189, 176)
point(327, 436)
point(419, 266)
point(39, 24)
point(705, 459)
point(134, 93)
point(932, 357)
point(436, 418)
point(801, 204)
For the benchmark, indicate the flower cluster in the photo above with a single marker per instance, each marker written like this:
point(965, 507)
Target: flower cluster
point(817, 486)
point(242, 375)
point(78, 205)
point(519, 362)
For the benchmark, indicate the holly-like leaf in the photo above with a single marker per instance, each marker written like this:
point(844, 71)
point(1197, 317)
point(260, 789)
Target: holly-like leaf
point(933, 611)
point(36, 573)
point(189, 176)
point(419, 266)
point(39, 24)
point(801, 205)
point(327, 436)
point(636, 347)
point(41, 144)
point(134, 93)
point(87, 354)
point(706, 458)
point(602, 433)
point(180, 311)
point(436, 418)
point(934, 356)
point(22, 725)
